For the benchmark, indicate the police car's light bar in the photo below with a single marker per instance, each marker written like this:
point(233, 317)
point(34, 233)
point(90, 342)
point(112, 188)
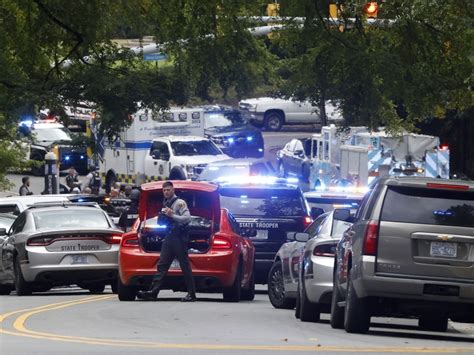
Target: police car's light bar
point(257, 179)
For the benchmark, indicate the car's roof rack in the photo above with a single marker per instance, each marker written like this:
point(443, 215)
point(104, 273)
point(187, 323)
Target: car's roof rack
point(63, 204)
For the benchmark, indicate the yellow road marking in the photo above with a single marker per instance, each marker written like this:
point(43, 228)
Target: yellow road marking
point(22, 330)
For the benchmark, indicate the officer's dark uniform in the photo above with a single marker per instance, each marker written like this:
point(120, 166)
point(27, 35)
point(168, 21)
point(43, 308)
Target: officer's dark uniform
point(130, 214)
point(175, 245)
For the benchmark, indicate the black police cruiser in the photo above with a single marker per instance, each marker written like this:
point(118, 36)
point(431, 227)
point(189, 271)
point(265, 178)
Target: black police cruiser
point(43, 135)
point(227, 128)
point(266, 209)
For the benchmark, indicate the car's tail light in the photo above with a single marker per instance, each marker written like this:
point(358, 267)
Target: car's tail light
point(434, 185)
point(370, 238)
point(221, 242)
point(325, 250)
point(307, 221)
point(130, 242)
point(40, 241)
point(113, 239)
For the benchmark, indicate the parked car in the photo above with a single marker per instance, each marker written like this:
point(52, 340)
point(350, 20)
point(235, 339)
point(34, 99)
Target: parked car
point(409, 253)
point(59, 244)
point(307, 256)
point(295, 158)
point(316, 266)
point(221, 258)
point(272, 113)
point(236, 168)
point(267, 208)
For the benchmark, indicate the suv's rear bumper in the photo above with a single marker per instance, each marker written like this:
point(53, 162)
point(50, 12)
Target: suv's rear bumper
point(367, 283)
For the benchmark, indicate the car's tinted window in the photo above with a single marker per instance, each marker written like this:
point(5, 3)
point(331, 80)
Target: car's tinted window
point(10, 209)
point(67, 218)
point(313, 227)
point(429, 206)
point(263, 202)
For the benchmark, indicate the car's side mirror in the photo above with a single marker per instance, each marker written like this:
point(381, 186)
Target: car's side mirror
point(316, 212)
point(342, 214)
point(155, 154)
point(302, 237)
point(3, 232)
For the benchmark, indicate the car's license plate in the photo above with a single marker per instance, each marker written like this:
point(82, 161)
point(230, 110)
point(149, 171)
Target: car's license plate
point(262, 234)
point(449, 250)
point(175, 264)
point(79, 259)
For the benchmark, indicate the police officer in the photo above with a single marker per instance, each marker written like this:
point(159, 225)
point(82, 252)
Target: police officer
point(130, 214)
point(175, 244)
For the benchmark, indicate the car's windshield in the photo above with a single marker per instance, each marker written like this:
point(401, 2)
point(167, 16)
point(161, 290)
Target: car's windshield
point(52, 134)
point(441, 207)
point(262, 202)
point(221, 119)
point(203, 147)
point(78, 218)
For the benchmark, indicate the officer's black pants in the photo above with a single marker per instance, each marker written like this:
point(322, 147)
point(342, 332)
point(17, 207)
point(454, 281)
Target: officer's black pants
point(174, 247)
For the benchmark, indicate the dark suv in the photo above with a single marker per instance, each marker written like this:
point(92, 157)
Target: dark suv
point(409, 253)
point(266, 212)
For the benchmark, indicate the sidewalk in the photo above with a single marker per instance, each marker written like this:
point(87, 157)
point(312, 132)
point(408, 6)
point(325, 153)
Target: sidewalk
point(464, 328)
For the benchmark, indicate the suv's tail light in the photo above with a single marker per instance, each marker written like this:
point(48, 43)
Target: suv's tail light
point(307, 221)
point(130, 242)
point(221, 242)
point(113, 239)
point(40, 241)
point(325, 250)
point(370, 238)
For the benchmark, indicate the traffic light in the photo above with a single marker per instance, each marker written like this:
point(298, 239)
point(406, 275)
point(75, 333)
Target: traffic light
point(371, 9)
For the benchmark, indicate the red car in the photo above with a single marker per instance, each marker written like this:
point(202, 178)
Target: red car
point(221, 259)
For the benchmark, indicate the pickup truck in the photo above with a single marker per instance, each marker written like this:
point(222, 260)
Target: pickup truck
point(272, 113)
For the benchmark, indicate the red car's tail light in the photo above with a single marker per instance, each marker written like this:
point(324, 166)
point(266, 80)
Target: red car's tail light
point(370, 238)
point(130, 242)
point(40, 241)
point(221, 242)
point(113, 239)
point(307, 221)
point(325, 250)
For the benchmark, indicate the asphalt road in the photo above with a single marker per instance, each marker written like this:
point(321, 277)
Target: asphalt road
point(74, 322)
point(273, 142)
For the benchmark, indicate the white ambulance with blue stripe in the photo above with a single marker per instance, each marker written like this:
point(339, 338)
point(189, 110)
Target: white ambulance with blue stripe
point(158, 146)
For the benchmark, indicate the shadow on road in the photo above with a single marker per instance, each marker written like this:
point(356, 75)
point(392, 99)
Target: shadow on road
point(415, 333)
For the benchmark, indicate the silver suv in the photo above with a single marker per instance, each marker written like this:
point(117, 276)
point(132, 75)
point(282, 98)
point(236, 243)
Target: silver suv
point(410, 252)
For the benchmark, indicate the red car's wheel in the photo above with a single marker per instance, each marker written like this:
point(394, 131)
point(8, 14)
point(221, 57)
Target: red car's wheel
point(126, 293)
point(233, 293)
point(249, 293)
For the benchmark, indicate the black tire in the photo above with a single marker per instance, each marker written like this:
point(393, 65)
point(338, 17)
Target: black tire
point(337, 313)
point(22, 287)
point(96, 288)
point(114, 286)
point(356, 312)
point(298, 305)
point(433, 323)
point(233, 293)
point(126, 293)
point(37, 170)
point(177, 174)
point(5, 290)
point(276, 288)
point(309, 312)
point(273, 121)
point(249, 293)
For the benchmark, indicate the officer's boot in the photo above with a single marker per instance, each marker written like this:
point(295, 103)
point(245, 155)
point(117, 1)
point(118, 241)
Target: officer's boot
point(151, 294)
point(190, 297)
